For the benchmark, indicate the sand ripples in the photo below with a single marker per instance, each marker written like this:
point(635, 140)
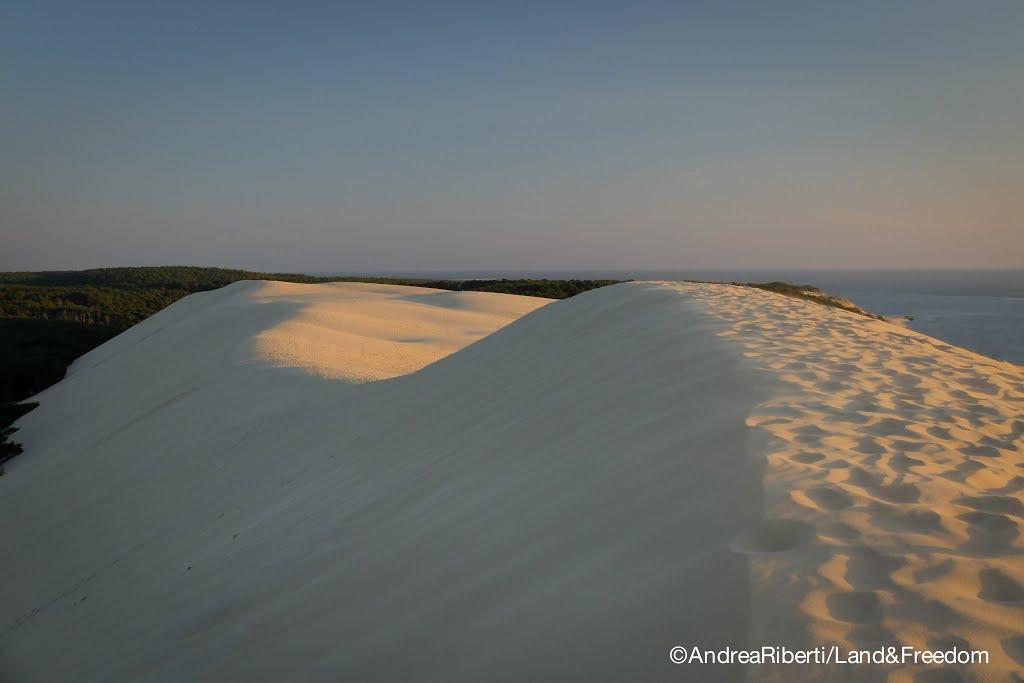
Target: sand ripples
point(901, 462)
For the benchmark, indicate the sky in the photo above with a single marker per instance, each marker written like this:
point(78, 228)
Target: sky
point(411, 135)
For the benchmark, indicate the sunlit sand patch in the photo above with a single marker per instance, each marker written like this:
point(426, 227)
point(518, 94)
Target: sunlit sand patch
point(643, 464)
point(902, 457)
point(364, 332)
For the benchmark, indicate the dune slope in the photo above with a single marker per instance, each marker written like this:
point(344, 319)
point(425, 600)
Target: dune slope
point(532, 507)
point(893, 491)
point(224, 494)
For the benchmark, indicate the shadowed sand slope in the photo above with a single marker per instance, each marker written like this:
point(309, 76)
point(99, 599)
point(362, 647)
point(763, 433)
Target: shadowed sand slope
point(558, 501)
point(893, 486)
point(221, 494)
point(249, 350)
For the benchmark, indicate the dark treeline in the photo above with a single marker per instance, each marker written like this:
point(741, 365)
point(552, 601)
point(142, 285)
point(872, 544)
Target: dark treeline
point(191, 278)
point(35, 353)
point(548, 289)
point(115, 297)
point(808, 293)
point(9, 412)
point(107, 306)
point(50, 318)
point(122, 297)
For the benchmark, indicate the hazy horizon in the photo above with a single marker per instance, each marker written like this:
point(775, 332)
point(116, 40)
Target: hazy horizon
point(537, 136)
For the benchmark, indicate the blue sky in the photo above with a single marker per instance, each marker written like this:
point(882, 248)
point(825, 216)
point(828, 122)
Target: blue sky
point(328, 136)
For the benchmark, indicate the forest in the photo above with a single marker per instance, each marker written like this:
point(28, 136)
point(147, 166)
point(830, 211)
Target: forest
point(50, 318)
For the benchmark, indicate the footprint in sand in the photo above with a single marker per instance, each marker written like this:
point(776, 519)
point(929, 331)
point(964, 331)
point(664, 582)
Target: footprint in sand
point(809, 434)
point(938, 676)
point(899, 518)
point(1015, 648)
point(845, 367)
point(871, 636)
point(934, 572)
point(862, 478)
point(1015, 485)
point(949, 642)
point(980, 385)
point(978, 450)
point(840, 531)
point(868, 568)
point(869, 446)
point(773, 536)
point(902, 462)
point(990, 533)
point(898, 493)
point(855, 607)
point(853, 418)
point(911, 607)
point(891, 426)
point(963, 471)
point(1007, 505)
point(998, 587)
point(914, 395)
point(980, 415)
point(807, 458)
point(829, 498)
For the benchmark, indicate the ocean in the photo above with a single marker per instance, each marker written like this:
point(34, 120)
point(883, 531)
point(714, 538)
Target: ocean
point(980, 310)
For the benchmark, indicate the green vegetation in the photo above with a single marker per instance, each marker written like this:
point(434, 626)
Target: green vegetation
point(799, 291)
point(807, 293)
point(35, 353)
point(9, 412)
point(121, 297)
point(548, 289)
point(50, 318)
point(811, 293)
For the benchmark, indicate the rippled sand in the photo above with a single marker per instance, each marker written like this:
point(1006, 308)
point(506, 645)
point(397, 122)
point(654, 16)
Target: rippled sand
point(360, 482)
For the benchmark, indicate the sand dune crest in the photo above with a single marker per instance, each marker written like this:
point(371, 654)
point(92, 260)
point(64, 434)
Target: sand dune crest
point(639, 467)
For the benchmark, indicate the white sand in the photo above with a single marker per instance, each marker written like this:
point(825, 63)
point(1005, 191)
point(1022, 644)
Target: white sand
point(214, 496)
point(364, 332)
point(894, 489)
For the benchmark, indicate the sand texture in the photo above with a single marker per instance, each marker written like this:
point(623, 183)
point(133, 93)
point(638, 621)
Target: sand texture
point(364, 332)
point(329, 483)
point(893, 487)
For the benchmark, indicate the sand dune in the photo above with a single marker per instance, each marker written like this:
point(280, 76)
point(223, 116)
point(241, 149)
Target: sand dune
point(224, 493)
point(897, 465)
point(363, 332)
